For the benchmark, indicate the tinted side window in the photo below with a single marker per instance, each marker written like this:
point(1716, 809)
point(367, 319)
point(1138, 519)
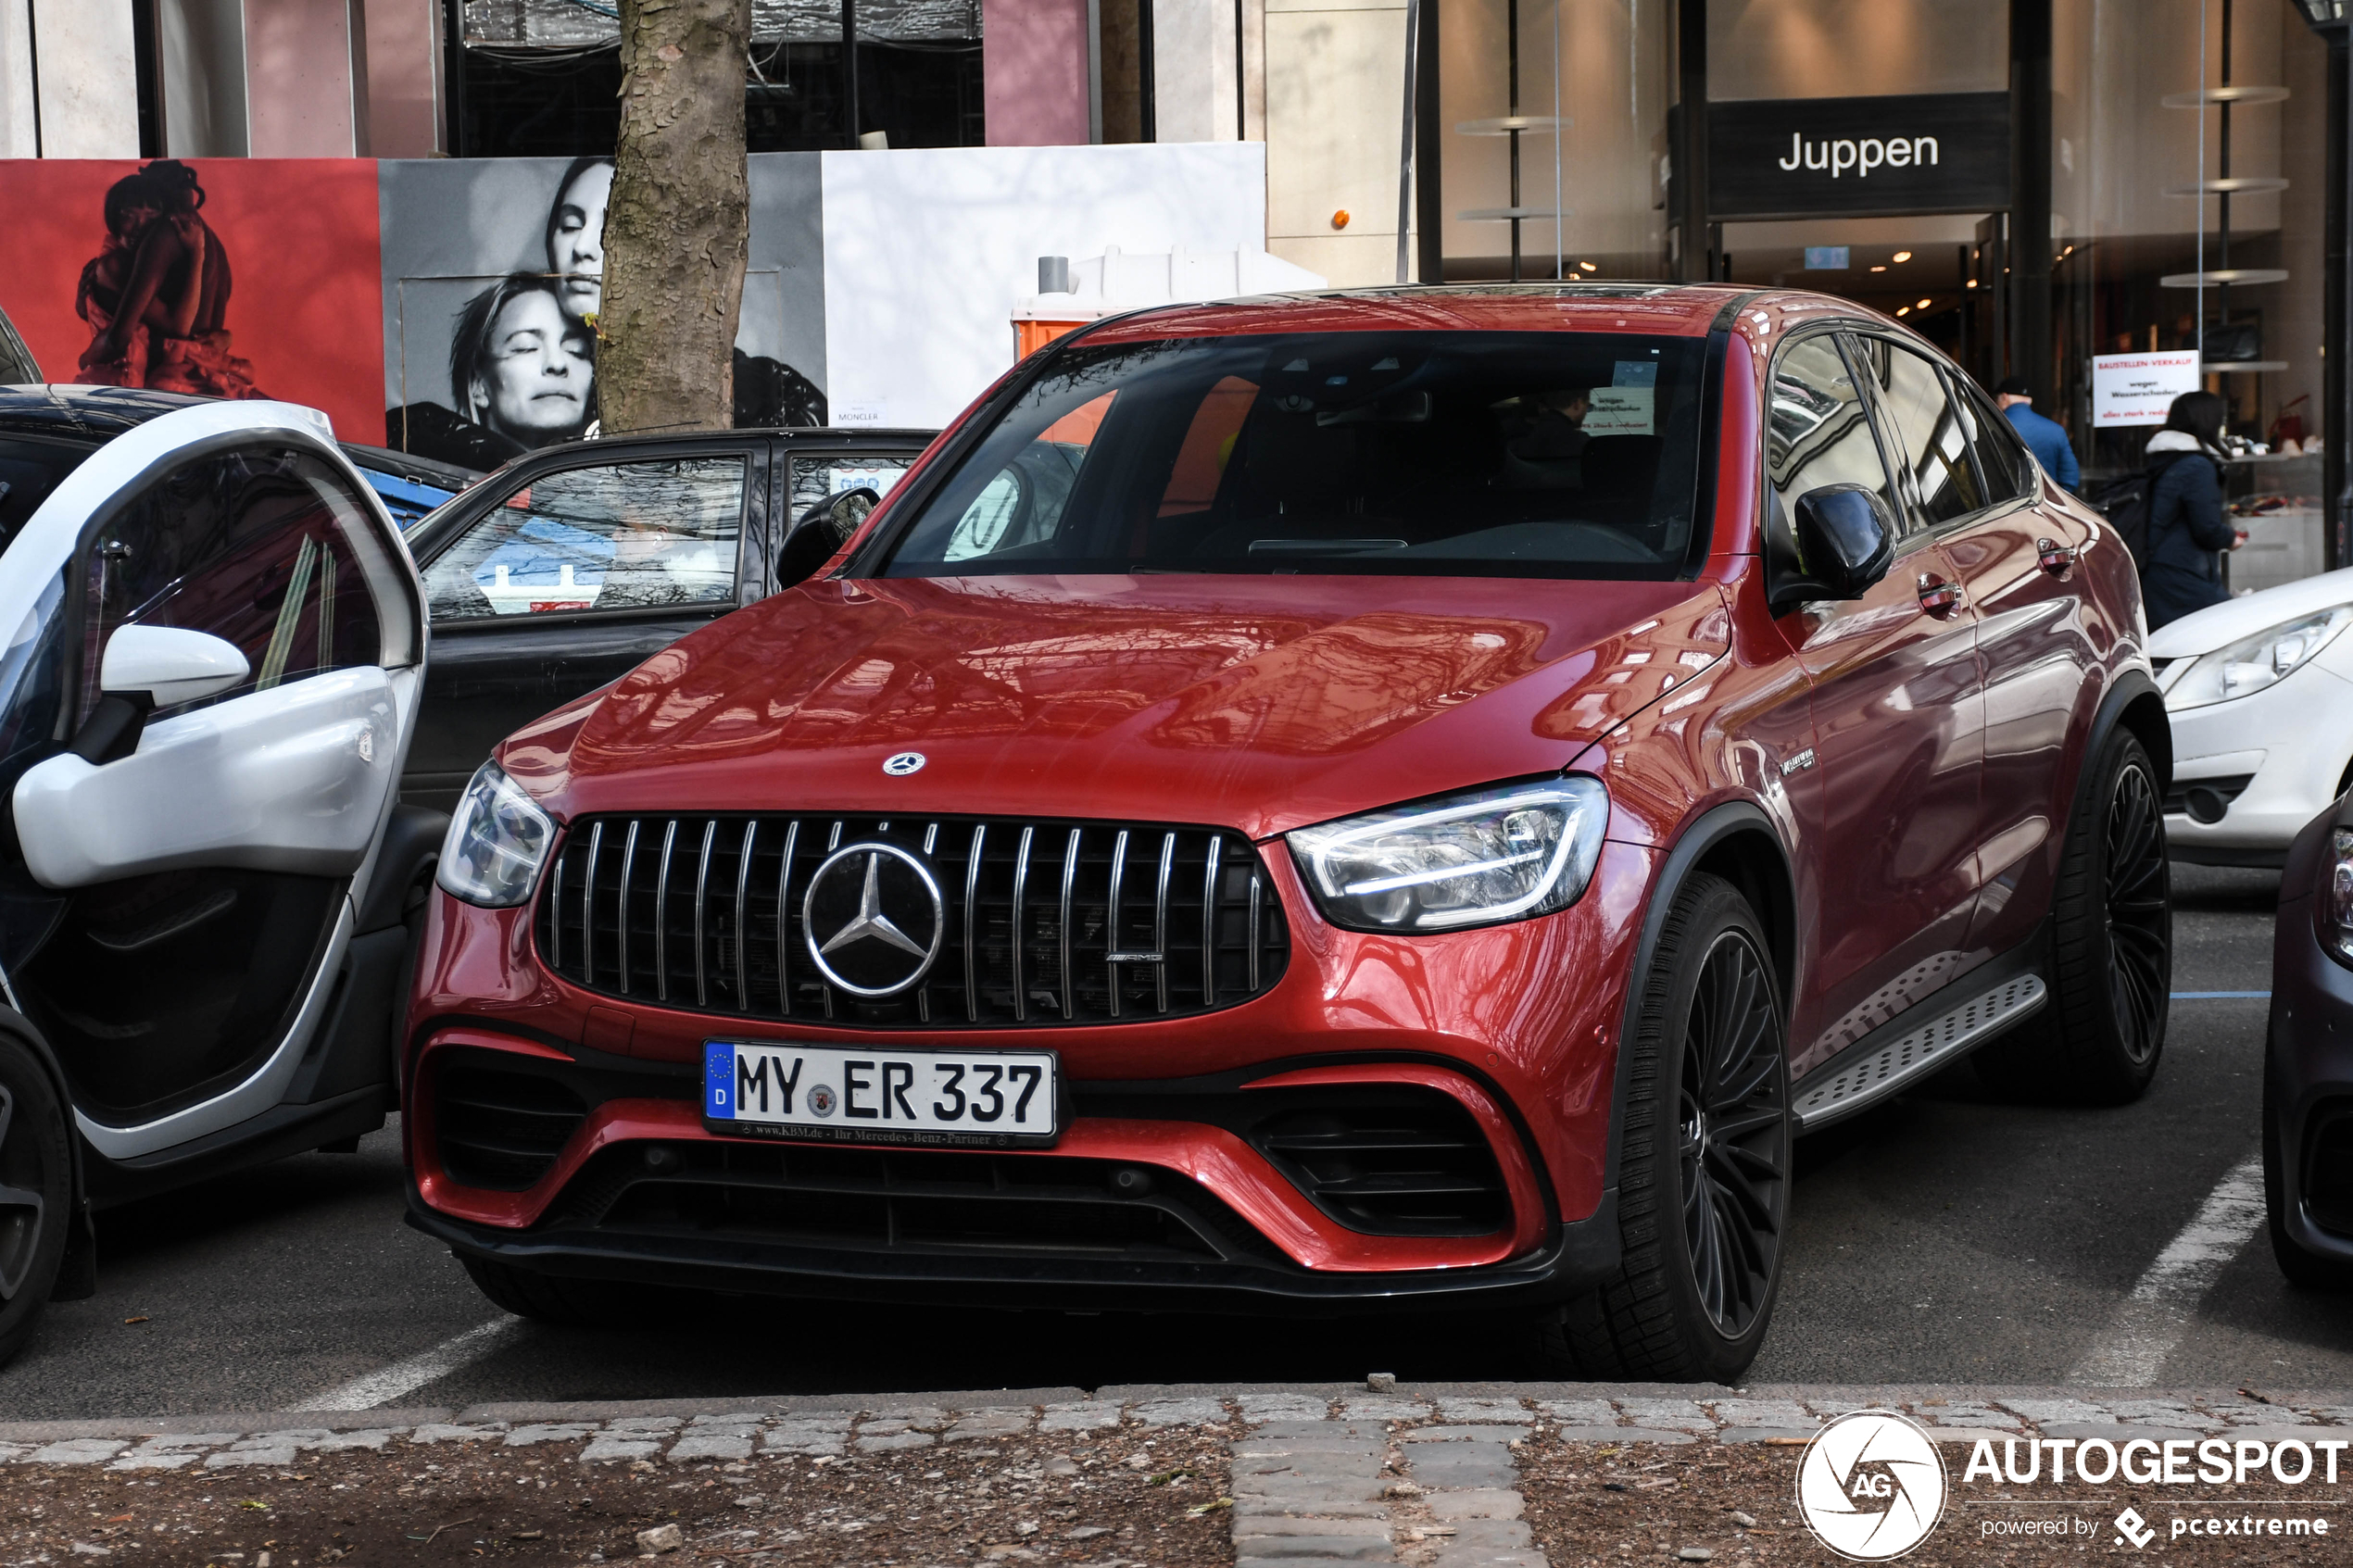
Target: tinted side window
point(2009, 467)
point(1818, 431)
point(818, 477)
point(610, 536)
point(17, 366)
point(1925, 432)
point(262, 546)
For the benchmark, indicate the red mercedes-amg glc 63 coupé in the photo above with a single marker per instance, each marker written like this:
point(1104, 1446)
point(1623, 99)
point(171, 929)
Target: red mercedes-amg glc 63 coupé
point(1403, 798)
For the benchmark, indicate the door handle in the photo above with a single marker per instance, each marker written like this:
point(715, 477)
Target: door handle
point(2055, 558)
point(1940, 598)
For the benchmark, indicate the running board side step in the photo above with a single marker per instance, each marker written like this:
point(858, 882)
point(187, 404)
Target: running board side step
point(1861, 1078)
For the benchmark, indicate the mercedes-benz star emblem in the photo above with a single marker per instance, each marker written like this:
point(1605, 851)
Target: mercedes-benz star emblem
point(903, 763)
point(874, 919)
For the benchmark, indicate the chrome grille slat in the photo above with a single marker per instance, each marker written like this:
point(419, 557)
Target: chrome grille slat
point(1160, 915)
point(972, 938)
point(1021, 887)
point(1209, 928)
point(783, 921)
point(703, 893)
point(1070, 880)
point(1019, 952)
point(743, 915)
point(588, 907)
point(1112, 956)
point(628, 869)
point(661, 914)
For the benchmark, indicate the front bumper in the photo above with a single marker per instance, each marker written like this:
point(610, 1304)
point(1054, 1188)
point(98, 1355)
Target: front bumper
point(2282, 750)
point(1165, 1192)
point(1509, 1031)
point(2308, 1065)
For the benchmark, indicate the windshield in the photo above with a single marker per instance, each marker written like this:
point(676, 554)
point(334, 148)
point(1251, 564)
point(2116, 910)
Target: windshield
point(1425, 454)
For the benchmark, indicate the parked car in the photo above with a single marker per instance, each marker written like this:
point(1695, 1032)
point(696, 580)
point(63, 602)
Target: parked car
point(207, 891)
point(569, 567)
point(2260, 693)
point(2308, 1058)
point(411, 487)
point(1273, 814)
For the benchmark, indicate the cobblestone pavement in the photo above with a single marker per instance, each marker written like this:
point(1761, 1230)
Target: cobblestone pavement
point(1321, 1475)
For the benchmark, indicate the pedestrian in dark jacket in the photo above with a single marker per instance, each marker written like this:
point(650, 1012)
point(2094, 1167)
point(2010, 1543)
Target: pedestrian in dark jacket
point(2047, 438)
point(2187, 526)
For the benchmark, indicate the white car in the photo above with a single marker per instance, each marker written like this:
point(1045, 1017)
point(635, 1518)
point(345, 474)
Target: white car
point(2260, 694)
point(212, 646)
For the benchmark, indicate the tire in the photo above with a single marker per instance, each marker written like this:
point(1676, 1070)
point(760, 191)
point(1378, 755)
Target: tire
point(2305, 1271)
point(36, 1192)
point(2098, 1039)
point(570, 1303)
point(1701, 1210)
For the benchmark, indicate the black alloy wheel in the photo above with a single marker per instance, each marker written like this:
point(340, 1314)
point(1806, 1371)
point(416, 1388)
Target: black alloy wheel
point(1735, 1148)
point(2140, 922)
point(2101, 1031)
point(1702, 1171)
point(35, 1192)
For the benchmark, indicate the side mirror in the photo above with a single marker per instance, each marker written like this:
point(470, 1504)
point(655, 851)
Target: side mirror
point(1846, 541)
point(823, 528)
point(146, 668)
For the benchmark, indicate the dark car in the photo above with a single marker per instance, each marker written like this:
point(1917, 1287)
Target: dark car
point(2308, 1059)
point(208, 893)
point(565, 570)
point(411, 487)
point(1271, 814)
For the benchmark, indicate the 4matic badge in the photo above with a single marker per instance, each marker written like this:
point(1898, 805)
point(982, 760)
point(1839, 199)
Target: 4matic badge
point(1871, 1485)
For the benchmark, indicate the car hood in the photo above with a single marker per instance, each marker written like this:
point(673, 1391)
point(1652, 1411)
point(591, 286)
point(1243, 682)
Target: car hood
point(1256, 703)
point(2221, 625)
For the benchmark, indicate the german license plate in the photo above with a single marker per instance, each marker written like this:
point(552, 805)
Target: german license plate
point(990, 1098)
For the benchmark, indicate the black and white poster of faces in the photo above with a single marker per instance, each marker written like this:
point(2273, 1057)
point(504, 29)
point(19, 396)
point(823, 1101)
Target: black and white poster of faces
point(493, 276)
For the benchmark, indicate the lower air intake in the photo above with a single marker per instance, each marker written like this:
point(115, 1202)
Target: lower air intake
point(1391, 1162)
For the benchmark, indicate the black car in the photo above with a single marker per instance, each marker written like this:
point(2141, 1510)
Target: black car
point(208, 896)
point(566, 570)
point(2308, 1059)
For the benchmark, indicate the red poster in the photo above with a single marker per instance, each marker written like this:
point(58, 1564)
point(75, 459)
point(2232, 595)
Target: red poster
point(219, 277)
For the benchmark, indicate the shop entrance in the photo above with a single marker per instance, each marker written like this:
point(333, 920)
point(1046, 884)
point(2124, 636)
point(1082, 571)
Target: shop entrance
point(1935, 274)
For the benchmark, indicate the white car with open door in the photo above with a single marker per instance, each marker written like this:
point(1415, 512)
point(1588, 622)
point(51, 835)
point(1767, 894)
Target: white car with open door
point(214, 651)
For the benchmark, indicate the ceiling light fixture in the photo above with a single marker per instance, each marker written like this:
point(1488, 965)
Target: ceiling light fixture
point(1903, 311)
point(1878, 268)
point(1903, 256)
point(1923, 304)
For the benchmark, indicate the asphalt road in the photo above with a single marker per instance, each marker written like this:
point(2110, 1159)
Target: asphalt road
point(1945, 1238)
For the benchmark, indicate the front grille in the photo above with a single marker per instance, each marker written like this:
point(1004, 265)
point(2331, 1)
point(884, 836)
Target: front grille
point(922, 1201)
point(1391, 1162)
point(1044, 922)
point(498, 1127)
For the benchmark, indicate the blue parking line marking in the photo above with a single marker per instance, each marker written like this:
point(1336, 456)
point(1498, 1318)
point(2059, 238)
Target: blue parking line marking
point(2217, 996)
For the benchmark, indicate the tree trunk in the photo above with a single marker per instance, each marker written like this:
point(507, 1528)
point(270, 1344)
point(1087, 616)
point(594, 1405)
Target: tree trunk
point(677, 227)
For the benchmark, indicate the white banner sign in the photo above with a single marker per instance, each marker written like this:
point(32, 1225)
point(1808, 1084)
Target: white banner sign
point(2137, 389)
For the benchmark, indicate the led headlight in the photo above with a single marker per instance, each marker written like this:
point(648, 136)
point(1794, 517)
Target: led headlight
point(2249, 666)
point(497, 841)
point(1479, 859)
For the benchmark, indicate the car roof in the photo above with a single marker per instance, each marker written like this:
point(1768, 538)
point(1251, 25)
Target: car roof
point(1669, 310)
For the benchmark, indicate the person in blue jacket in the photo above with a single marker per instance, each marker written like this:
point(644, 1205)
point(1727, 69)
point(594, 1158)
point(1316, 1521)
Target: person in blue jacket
point(2187, 525)
point(2045, 438)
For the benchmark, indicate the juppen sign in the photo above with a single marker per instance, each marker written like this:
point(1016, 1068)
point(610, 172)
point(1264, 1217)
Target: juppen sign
point(1813, 157)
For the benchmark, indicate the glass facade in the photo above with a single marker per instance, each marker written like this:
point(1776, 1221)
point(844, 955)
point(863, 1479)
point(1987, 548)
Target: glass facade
point(2187, 169)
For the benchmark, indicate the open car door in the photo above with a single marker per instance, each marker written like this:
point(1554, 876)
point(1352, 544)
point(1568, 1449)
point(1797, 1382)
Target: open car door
point(214, 649)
